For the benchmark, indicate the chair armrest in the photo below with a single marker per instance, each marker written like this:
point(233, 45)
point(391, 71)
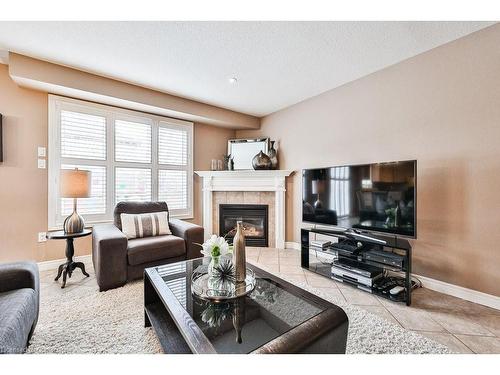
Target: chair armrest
point(109, 255)
point(19, 275)
point(191, 233)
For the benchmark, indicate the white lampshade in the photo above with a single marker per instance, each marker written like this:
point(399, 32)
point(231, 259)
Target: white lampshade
point(75, 183)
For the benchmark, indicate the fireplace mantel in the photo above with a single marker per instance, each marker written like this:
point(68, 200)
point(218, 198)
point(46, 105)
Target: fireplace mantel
point(246, 180)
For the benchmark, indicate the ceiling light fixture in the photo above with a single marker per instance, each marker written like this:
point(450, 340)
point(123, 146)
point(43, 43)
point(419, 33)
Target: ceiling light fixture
point(233, 80)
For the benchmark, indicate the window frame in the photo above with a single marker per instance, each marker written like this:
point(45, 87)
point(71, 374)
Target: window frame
point(58, 103)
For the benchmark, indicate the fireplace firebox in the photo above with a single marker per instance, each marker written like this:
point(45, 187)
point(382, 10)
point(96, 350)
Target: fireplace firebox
point(254, 218)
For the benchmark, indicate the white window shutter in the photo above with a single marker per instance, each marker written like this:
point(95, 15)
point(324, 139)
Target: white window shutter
point(132, 142)
point(172, 146)
point(132, 184)
point(173, 188)
point(83, 136)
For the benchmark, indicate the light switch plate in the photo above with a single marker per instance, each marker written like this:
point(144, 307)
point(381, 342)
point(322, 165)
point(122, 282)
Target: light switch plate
point(42, 152)
point(41, 163)
point(42, 236)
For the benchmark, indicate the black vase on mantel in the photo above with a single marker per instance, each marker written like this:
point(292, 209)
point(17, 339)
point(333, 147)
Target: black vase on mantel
point(261, 161)
point(273, 155)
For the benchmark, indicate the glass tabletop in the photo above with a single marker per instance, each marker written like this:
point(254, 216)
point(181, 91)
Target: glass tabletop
point(245, 324)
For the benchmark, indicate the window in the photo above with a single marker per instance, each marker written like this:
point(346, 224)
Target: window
point(132, 156)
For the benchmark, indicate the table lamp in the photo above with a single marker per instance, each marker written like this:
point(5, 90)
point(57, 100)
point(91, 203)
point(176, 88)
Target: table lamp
point(75, 183)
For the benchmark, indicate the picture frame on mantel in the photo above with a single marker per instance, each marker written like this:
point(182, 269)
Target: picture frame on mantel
point(243, 151)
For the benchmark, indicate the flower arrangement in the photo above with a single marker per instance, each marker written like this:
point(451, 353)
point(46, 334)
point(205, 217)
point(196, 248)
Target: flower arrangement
point(215, 247)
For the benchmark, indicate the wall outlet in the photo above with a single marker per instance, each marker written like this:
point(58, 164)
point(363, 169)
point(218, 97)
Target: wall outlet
point(42, 152)
point(42, 236)
point(41, 163)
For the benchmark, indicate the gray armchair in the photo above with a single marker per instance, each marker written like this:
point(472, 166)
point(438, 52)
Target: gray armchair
point(19, 305)
point(118, 260)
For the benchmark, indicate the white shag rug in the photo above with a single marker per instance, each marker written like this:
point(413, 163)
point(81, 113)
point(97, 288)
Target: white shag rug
point(83, 320)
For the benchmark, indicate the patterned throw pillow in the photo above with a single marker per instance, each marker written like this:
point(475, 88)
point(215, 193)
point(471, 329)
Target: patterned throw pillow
point(145, 225)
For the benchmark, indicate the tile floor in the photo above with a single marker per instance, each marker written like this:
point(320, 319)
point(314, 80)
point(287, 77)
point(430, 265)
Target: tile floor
point(463, 326)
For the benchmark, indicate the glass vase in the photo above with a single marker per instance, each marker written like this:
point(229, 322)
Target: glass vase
point(214, 262)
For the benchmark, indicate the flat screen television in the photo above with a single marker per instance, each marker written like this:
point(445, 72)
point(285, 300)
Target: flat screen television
point(378, 197)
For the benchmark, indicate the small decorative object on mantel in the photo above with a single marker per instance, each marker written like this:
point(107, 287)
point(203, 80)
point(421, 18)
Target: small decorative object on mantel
point(239, 256)
point(273, 155)
point(261, 161)
point(242, 151)
point(228, 163)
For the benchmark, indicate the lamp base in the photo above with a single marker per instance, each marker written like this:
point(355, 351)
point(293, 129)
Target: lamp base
point(74, 223)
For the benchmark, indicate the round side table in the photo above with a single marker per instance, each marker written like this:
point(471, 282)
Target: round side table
point(66, 269)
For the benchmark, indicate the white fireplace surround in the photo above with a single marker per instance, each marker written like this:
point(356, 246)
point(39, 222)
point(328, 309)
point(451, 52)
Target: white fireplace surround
point(246, 180)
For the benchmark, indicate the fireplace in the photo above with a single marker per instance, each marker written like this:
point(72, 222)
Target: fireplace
point(255, 222)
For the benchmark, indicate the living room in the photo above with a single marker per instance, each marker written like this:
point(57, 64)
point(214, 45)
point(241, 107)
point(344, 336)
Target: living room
point(316, 186)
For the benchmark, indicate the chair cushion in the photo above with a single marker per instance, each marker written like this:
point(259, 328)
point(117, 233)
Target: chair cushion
point(136, 208)
point(145, 225)
point(18, 311)
point(149, 249)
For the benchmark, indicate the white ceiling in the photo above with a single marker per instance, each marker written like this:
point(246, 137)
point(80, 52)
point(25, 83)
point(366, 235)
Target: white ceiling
point(277, 63)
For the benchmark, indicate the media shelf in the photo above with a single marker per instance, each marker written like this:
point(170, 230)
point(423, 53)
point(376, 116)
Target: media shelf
point(320, 260)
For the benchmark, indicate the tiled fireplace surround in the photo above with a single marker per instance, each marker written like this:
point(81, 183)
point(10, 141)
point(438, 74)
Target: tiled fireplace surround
point(244, 197)
point(246, 187)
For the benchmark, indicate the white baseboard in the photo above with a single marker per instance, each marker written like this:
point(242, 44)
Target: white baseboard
point(445, 288)
point(292, 245)
point(461, 292)
point(54, 264)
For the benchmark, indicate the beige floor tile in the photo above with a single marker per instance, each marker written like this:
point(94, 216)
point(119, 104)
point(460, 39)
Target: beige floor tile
point(293, 278)
point(270, 250)
point(268, 260)
point(319, 281)
point(357, 297)
point(289, 253)
point(290, 261)
point(490, 322)
point(459, 324)
point(271, 268)
point(481, 344)
point(448, 340)
point(431, 300)
point(252, 249)
point(290, 269)
point(332, 294)
point(381, 312)
point(249, 257)
point(416, 320)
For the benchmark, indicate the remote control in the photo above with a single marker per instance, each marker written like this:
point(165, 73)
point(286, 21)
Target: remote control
point(396, 290)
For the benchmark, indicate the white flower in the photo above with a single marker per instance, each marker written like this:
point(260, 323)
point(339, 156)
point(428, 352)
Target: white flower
point(215, 246)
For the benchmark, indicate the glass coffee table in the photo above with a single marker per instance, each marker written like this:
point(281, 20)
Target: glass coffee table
point(276, 317)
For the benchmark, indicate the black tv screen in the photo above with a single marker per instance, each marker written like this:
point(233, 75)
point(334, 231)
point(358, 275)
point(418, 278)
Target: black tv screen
point(379, 197)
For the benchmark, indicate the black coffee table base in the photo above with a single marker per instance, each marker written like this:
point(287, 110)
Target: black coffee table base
point(66, 269)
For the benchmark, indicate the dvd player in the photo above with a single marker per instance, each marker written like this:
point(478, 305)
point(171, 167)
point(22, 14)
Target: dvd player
point(385, 257)
point(363, 269)
point(354, 277)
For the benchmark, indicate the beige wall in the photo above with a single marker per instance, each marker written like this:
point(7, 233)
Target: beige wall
point(441, 108)
point(57, 79)
point(23, 187)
